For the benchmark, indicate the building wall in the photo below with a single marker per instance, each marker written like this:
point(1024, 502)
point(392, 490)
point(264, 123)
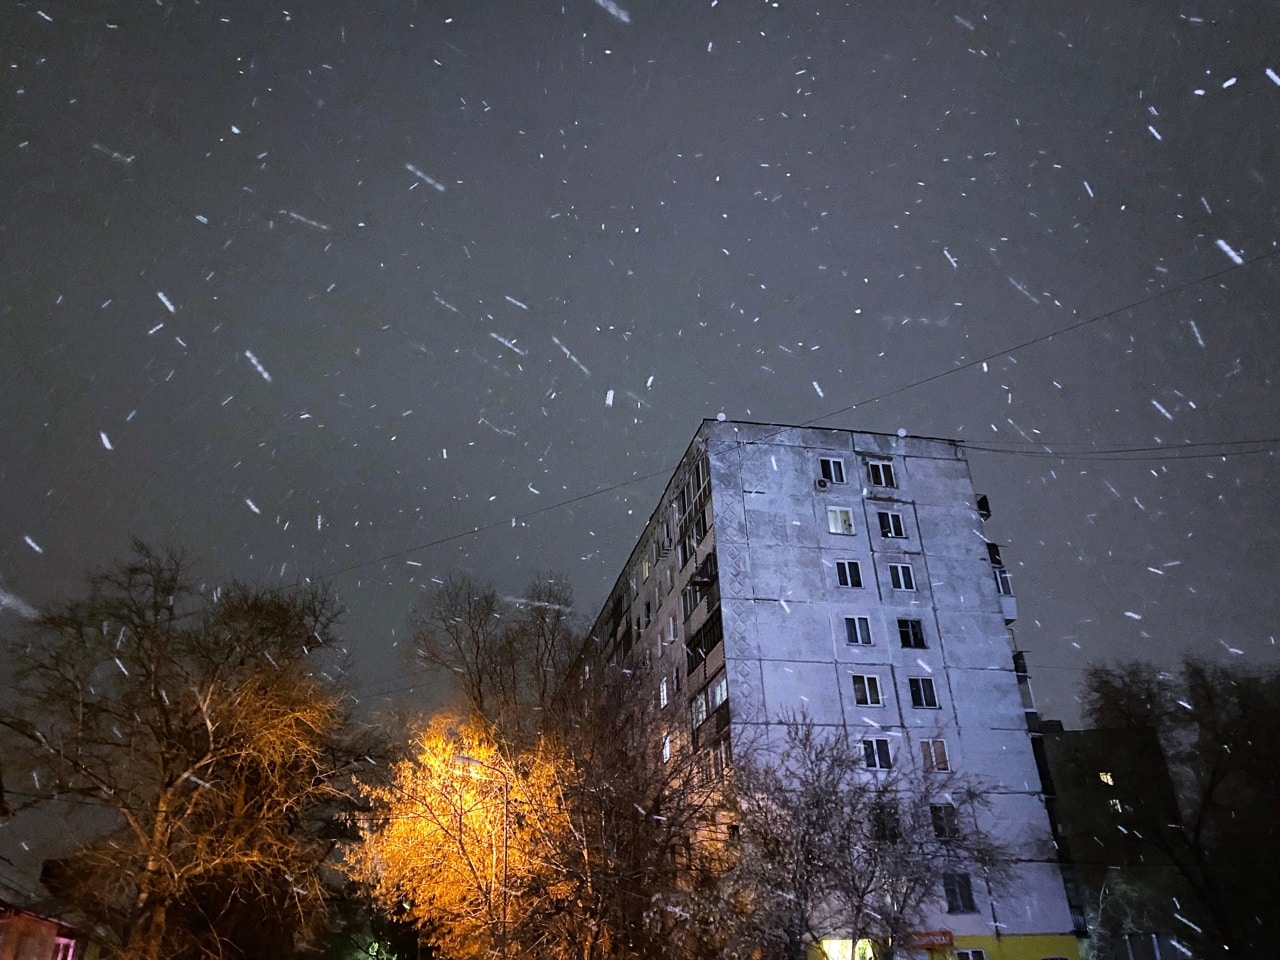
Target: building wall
point(784, 648)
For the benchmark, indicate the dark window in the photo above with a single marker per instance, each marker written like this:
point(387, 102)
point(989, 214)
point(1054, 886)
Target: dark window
point(866, 691)
point(880, 474)
point(901, 576)
point(958, 888)
point(891, 525)
point(923, 692)
point(945, 824)
point(848, 573)
point(832, 469)
point(911, 633)
point(885, 826)
point(875, 753)
point(858, 630)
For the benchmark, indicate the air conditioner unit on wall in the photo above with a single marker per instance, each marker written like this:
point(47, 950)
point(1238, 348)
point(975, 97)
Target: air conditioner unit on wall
point(822, 483)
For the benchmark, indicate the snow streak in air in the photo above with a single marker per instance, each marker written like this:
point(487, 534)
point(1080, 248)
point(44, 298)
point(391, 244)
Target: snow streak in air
point(1226, 248)
point(106, 441)
point(577, 362)
point(324, 228)
point(165, 300)
point(33, 545)
point(251, 505)
point(513, 300)
point(614, 10)
point(18, 606)
point(257, 365)
point(430, 181)
point(508, 344)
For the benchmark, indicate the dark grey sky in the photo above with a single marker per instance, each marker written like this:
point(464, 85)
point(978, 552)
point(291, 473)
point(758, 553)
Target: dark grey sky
point(305, 287)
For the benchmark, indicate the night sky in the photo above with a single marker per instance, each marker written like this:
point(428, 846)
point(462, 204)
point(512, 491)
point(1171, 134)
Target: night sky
point(376, 291)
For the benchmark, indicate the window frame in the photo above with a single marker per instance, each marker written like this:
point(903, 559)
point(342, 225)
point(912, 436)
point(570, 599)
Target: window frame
point(663, 698)
point(971, 953)
point(877, 749)
point(957, 889)
point(898, 581)
point(857, 631)
point(843, 569)
point(840, 521)
point(869, 689)
point(891, 525)
point(829, 467)
point(923, 689)
point(946, 821)
point(929, 755)
point(880, 473)
point(909, 636)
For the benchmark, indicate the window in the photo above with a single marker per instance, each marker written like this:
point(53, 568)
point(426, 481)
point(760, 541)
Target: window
point(1106, 778)
point(891, 525)
point(666, 747)
point(832, 469)
point(866, 690)
point(880, 474)
point(662, 692)
point(848, 573)
point(973, 954)
point(719, 759)
point(934, 755)
point(901, 576)
point(885, 825)
point(698, 709)
point(1004, 582)
point(858, 630)
point(945, 824)
point(1116, 805)
point(958, 888)
point(923, 692)
point(911, 633)
point(718, 692)
point(875, 753)
point(840, 520)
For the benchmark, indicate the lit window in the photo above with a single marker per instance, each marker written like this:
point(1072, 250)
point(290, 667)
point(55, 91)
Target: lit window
point(662, 692)
point(718, 692)
point(698, 709)
point(911, 633)
point(880, 474)
point(832, 469)
point(857, 630)
point(875, 753)
point(840, 520)
point(1106, 778)
point(891, 525)
point(1116, 805)
point(866, 690)
point(666, 747)
point(848, 573)
point(934, 755)
point(901, 576)
point(923, 692)
point(958, 888)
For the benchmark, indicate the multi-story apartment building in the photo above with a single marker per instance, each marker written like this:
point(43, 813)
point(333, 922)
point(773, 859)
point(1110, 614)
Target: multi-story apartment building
point(846, 576)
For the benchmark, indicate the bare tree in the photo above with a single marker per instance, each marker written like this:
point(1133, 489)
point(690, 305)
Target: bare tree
point(606, 823)
point(509, 658)
point(831, 848)
point(208, 726)
point(1208, 866)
